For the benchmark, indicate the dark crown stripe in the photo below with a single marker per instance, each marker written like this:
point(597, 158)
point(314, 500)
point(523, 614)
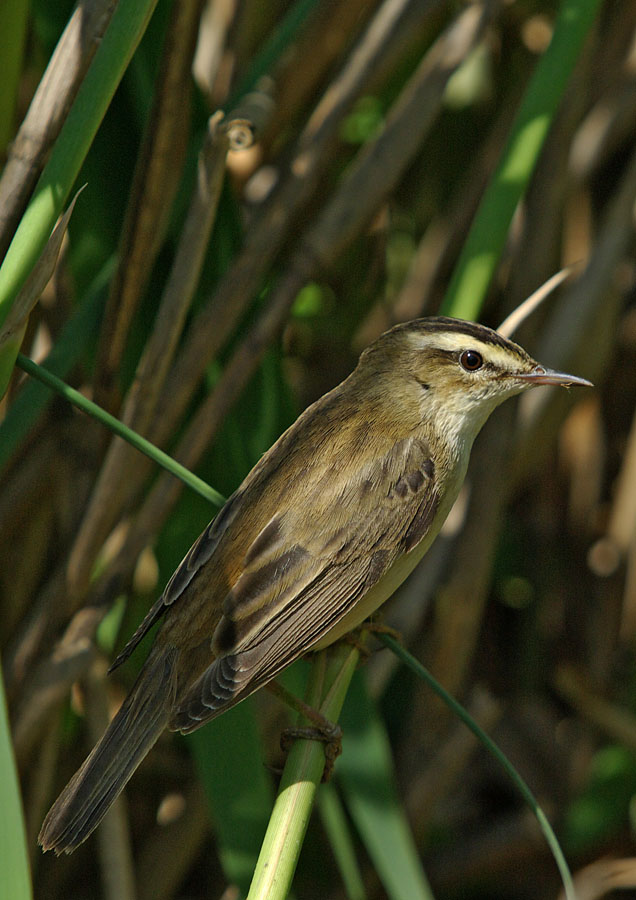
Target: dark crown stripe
point(434, 324)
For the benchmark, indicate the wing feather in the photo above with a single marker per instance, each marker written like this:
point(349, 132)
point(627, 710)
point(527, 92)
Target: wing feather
point(192, 563)
point(231, 678)
point(284, 603)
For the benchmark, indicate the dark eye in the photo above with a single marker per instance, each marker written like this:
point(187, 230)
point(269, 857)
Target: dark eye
point(471, 360)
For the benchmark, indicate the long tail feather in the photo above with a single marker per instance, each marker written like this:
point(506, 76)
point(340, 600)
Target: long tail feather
point(89, 794)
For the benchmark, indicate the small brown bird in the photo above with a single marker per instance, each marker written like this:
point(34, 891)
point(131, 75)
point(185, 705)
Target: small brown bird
point(322, 531)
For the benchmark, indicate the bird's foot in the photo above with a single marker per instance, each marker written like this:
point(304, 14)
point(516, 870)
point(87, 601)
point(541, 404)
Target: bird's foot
point(329, 734)
point(322, 729)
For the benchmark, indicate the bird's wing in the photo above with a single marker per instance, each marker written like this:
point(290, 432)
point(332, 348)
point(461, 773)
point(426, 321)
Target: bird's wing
point(196, 557)
point(290, 595)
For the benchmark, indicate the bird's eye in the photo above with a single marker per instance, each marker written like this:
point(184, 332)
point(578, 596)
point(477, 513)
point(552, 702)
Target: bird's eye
point(471, 360)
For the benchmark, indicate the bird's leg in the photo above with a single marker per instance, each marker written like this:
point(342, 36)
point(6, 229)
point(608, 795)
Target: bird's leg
point(322, 729)
point(377, 626)
point(370, 626)
point(299, 706)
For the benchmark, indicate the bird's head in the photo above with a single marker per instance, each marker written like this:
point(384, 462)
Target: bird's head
point(453, 373)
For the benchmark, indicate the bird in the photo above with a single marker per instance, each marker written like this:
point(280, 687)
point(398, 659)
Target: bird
point(321, 532)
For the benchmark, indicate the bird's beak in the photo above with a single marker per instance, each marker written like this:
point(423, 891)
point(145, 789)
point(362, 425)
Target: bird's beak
point(541, 375)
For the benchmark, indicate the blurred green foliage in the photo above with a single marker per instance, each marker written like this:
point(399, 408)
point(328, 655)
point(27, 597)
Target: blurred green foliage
point(553, 605)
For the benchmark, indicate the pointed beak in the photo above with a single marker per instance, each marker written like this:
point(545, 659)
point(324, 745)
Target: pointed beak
point(541, 375)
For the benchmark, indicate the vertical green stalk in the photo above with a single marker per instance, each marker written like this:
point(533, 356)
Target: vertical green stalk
point(15, 877)
point(489, 230)
point(303, 771)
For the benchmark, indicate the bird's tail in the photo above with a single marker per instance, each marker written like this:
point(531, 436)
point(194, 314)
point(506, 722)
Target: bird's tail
point(89, 794)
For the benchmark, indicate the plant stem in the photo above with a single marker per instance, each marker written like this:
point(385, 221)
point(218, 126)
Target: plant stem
point(163, 459)
point(329, 680)
point(489, 230)
point(69, 151)
point(14, 864)
point(458, 710)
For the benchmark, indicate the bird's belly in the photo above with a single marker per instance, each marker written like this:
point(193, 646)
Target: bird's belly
point(379, 593)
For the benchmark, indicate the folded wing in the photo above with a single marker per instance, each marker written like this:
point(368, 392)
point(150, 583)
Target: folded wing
point(290, 595)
